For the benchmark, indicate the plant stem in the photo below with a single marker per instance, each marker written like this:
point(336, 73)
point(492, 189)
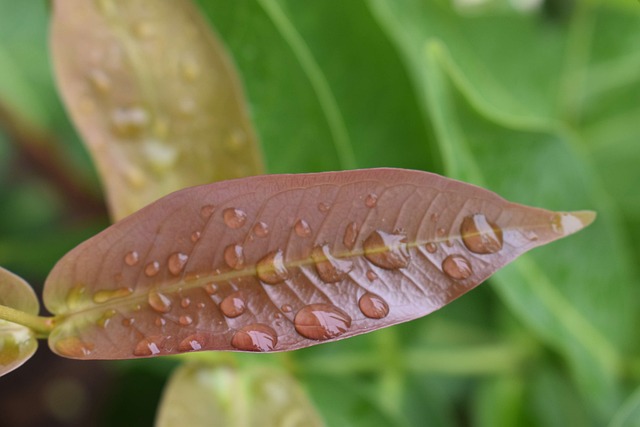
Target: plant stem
point(42, 326)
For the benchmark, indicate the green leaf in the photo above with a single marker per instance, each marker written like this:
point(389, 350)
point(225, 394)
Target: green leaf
point(629, 413)
point(204, 395)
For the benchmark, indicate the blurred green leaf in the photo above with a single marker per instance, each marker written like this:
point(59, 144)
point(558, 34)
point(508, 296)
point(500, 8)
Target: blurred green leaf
point(629, 413)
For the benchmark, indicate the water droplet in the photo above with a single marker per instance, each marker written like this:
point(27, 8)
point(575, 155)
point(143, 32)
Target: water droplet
point(236, 140)
point(176, 262)
point(135, 177)
point(271, 268)
point(302, 228)
point(104, 320)
point(480, 235)
point(371, 275)
point(195, 236)
point(350, 235)
point(160, 321)
point(321, 322)
point(185, 320)
point(211, 288)
point(261, 229)
point(129, 122)
point(190, 69)
point(286, 308)
point(160, 156)
point(435, 217)
point(73, 347)
point(193, 343)
point(149, 346)
point(373, 306)
point(152, 269)
point(159, 302)
point(206, 211)
point(255, 337)
point(457, 267)
point(185, 302)
point(329, 268)
point(234, 256)
point(75, 296)
point(440, 232)
point(233, 305)
point(431, 247)
point(128, 321)
point(324, 207)
point(131, 258)
point(100, 81)
point(234, 218)
point(387, 250)
point(371, 200)
point(107, 295)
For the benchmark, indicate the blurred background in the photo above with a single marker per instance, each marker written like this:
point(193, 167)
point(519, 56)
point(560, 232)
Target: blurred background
point(536, 100)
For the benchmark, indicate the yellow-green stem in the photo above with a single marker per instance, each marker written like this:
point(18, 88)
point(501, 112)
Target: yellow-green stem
point(42, 326)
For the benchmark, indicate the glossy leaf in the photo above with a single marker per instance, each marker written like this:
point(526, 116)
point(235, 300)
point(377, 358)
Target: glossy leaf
point(17, 342)
point(154, 95)
point(204, 395)
point(276, 263)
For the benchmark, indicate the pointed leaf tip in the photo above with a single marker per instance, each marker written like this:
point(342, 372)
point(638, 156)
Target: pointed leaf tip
point(567, 223)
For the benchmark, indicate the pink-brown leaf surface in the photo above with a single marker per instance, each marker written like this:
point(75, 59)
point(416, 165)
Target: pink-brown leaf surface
point(281, 262)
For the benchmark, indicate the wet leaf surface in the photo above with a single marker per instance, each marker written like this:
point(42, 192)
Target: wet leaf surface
point(226, 266)
point(17, 343)
point(154, 95)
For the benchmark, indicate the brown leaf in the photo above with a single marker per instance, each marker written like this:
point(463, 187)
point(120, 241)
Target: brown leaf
point(275, 263)
point(154, 95)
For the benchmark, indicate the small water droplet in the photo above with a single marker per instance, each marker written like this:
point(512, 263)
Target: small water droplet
point(131, 258)
point(211, 288)
point(152, 268)
point(159, 302)
point(75, 296)
point(233, 305)
point(371, 275)
point(261, 229)
point(431, 247)
point(104, 320)
point(236, 140)
point(350, 235)
point(234, 256)
point(100, 81)
point(255, 337)
point(160, 321)
point(373, 306)
point(73, 347)
point(286, 308)
point(329, 268)
point(107, 295)
point(271, 268)
point(149, 346)
point(206, 211)
point(234, 218)
point(195, 236)
point(193, 343)
point(435, 217)
point(176, 262)
point(135, 177)
point(440, 232)
point(387, 250)
point(480, 235)
point(321, 322)
point(324, 207)
point(159, 156)
point(200, 305)
point(371, 200)
point(185, 320)
point(190, 69)
point(185, 302)
point(128, 321)
point(457, 267)
point(302, 228)
point(129, 122)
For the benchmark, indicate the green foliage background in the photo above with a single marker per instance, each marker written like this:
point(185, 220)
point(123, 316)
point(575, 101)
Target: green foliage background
point(541, 106)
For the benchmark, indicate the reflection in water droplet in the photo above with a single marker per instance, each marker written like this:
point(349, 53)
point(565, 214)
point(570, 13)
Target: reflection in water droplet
point(148, 346)
point(234, 218)
point(107, 295)
point(371, 200)
point(104, 320)
point(234, 256)
point(159, 302)
point(185, 302)
point(271, 268)
point(457, 267)
point(431, 247)
point(131, 258)
point(387, 250)
point(185, 320)
point(206, 211)
point(176, 262)
point(192, 343)
point(75, 296)
point(329, 268)
point(350, 235)
point(324, 207)
point(371, 275)
point(302, 228)
point(255, 337)
point(233, 305)
point(195, 236)
point(261, 229)
point(321, 322)
point(73, 347)
point(286, 308)
point(480, 235)
point(373, 306)
point(129, 122)
point(152, 268)
point(211, 288)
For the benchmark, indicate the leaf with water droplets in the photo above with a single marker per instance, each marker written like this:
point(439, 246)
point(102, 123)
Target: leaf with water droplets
point(17, 342)
point(424, 242)
point(204, 395)
point(154, 95)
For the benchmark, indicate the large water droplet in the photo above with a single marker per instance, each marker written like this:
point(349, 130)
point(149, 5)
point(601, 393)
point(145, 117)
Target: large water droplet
point(152, 268)
point(329, 268)
point(234, 256)
point(302, 228)
point(150, 346)
point(233, 305)
point(321, 322)
point(255, 337)
point(107, 295)
point(159, 302)
point(75, 296)
point(131, 258)
point(206, 211)
point(193, 343)
point(350, 235)
point(480, 235)
point(371, 200)
point(73, 347)
point(261, 229)
point(457, 267)
point(387, 250)
point(176, 262)
point(234, 218)
point(271, 268)
point(129, 122)
point(373, 306)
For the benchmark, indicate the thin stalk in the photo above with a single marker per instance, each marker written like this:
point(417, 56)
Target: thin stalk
point(42, 326)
